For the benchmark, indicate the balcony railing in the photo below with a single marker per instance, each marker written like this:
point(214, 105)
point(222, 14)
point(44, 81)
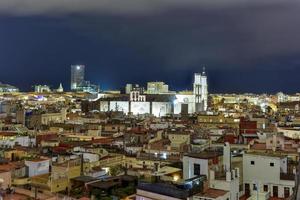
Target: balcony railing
point(287, 177)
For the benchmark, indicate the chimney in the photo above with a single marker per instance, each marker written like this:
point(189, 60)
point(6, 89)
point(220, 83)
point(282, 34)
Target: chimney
point(211, 175)
point(227, 157)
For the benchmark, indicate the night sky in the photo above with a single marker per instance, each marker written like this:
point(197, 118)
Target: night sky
point(245, 45)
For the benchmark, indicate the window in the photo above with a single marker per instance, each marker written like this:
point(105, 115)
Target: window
point(247, 189)
point(275, 191)
point(286, 192)
point(252, 162)
point(272, 164)
point(197, 169)
point(254, 187)
point(266, 188)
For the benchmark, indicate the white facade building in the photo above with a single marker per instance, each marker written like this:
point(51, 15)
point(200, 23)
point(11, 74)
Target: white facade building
point(200, 91)
point(119, 106)
point(160, 109)
point(137, 96)
point(37, 167)
point(267, 173)
point(218, 171)
point(184, 103)
point(24, 141)
point(184, 99)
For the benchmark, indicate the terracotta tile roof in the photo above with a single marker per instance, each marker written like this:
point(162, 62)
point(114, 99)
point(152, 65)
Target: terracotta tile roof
point(8, 133)
point(259, 146)
point(213, 193)
point(102, 141)
point(11, 165)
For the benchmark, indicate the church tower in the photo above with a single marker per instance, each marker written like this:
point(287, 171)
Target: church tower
point(200, 91)
point(60, 88)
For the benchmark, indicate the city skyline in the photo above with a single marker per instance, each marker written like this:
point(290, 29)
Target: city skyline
point(105, 87)
point(249, 47)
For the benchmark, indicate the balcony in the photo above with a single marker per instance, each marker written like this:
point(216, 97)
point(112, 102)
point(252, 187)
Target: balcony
point(287, 177)
point(21, 181)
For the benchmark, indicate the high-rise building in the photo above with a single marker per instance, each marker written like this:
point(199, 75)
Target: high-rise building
point(157, 88)
point(133, 87)
point(77, 76)
point(200, 91)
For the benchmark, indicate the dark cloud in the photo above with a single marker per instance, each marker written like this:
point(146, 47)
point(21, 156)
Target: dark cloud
point(182, 38)
point(245, 45)
point(50, 7)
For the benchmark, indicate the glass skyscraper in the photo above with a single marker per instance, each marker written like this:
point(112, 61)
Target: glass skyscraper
point(77, 76)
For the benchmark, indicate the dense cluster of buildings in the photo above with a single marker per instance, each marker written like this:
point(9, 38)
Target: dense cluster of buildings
point(8, 88)
point(148, 143)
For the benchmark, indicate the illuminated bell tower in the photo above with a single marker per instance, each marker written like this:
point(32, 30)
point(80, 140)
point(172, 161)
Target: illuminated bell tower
point(200, 91)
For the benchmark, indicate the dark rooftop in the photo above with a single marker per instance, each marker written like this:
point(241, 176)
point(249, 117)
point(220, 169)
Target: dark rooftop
point(205, 154)
point(84, 179)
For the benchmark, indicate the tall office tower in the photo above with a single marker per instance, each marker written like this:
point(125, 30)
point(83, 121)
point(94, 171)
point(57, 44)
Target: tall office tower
point(77, 76)
point(200, 91)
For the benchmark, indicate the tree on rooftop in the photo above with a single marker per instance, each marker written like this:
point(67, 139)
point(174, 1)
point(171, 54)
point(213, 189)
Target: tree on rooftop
point(116, 170)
